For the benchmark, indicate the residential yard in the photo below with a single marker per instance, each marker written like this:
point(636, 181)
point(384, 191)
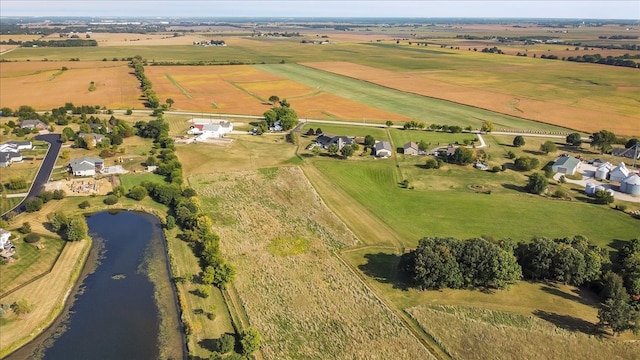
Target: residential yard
point(304, 300)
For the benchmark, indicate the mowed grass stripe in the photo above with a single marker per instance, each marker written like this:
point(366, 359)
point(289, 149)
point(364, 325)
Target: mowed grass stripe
point(178, 86)
point(414, 106)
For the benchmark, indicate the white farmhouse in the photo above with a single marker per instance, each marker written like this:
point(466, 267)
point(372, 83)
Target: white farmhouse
point(210, 130)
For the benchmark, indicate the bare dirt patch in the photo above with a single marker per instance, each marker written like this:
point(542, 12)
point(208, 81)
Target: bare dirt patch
point(81, 187)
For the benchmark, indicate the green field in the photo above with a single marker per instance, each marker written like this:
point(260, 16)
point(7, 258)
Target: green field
point(462, 213)
point(131, 180)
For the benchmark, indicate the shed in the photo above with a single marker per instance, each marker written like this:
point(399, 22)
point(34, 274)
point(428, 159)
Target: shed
point(567, 165)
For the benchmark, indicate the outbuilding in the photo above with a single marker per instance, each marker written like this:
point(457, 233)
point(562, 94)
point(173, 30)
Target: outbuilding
point(619, 173)
point(567, 165)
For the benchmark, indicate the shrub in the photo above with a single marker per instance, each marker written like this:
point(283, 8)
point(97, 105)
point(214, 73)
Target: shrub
point(32, 238)
point(58, 194)
point(83, 205)
point(621, 207)
point(111, 200)
point(226, 343)
point(33, 205)
point(431, 163)
point(137, 193)
point(46, 196)
point(25, 228)
point(496, 169)
point(560, 193)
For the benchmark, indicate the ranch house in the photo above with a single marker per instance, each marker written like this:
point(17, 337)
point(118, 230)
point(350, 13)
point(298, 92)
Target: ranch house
point(93, 137)
point(10, 152)
point(33, 124)
point(86, 166)
point(324, 141)
point(567, 165)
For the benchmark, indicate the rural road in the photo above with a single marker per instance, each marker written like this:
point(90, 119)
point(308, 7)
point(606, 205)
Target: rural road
point(44, 173)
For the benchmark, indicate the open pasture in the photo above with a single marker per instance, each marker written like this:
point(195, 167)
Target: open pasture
point(304, 300)
point(44, 85)
point(591, 98)
point(153, 39)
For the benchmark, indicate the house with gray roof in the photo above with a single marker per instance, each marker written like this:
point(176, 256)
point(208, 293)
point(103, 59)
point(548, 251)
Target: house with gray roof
point(567, 165)
point(324, 141)
point(86, 166)
point(411, 148)
point(33, 124)
point(383, 149)
point(97, 138)
point(630, 153)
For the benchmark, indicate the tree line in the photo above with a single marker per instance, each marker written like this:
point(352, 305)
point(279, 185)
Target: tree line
point(438, 263)
point(145, 84)
point(53, 43)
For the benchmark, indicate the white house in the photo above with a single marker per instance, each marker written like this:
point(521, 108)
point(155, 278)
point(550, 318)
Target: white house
point(566, 165)
point(6, 247)
point(86, 166)
point(619, 173)
point(383, 149)
point(10, 152)
point(210, 130)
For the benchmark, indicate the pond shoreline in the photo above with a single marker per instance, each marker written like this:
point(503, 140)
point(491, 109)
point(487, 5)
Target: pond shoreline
point(158, 273)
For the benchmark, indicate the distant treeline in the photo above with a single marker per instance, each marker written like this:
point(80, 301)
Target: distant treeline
point(598, 59)
point(52, 43)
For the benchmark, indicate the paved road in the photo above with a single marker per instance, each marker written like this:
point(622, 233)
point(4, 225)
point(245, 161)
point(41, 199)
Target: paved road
point(45, 168)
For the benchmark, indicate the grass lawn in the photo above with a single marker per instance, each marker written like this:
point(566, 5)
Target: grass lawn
point(131, 180)
point(346, 130)
point(462, 213)
point(31, 261)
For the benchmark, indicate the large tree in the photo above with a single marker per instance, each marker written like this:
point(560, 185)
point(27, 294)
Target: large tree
point(574, 139)
point(518, 141)
point(537, 184)
point(462, 156)
point(619, 315)
point(249, 341)
point(548, 147)
point(369, 141)
point(603, 140)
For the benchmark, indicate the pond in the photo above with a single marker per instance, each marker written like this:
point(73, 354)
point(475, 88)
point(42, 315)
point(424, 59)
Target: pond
point(117, 307)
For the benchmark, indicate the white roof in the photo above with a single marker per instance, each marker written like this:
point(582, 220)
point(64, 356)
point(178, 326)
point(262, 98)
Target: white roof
point(633, 179)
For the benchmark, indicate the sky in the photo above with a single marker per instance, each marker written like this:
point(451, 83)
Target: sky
point(572, 9)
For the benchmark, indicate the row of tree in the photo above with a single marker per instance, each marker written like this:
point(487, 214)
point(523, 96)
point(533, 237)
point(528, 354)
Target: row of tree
point(145, 84)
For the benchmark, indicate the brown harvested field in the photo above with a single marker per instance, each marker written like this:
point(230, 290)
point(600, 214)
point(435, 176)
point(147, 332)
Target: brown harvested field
point(587, 113)
point(243, 89)
point(43, 85)
point(475, 333)
point(130, 39)
point(306, 303)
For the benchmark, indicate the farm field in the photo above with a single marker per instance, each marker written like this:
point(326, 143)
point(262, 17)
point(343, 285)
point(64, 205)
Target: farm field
point(305, 302)
point(44, 85)
point(429, 110)
point(244, 89)
point(588, 100)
